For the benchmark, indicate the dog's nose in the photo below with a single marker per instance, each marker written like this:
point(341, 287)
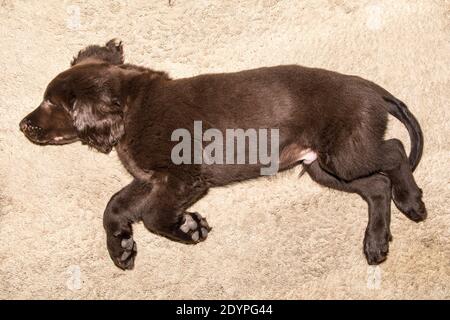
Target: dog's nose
point(24, 124)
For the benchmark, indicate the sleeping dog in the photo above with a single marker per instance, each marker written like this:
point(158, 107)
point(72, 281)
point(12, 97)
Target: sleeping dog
point(332, 124)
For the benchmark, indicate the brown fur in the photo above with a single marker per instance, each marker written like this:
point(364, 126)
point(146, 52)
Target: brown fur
point(106, 103)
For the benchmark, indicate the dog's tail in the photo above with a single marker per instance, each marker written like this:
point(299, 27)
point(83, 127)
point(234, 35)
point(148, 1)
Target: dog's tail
point(399, 110)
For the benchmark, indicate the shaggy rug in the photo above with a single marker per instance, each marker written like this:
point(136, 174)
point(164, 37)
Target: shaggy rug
point(281, 237)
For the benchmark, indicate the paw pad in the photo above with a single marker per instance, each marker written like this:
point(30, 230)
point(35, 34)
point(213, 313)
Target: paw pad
point(195, 226)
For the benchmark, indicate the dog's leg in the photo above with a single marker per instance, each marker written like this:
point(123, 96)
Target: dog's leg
point(167, 215)
point(376, 190)
point(406, 194)
point(161, 205)
point(125, 208)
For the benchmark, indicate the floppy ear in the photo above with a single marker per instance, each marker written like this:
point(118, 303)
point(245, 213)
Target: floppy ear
point(99, 124)
point(111, 52)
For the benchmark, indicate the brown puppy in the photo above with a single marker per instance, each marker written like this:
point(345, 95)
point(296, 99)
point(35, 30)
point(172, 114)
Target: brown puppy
point(333, 123)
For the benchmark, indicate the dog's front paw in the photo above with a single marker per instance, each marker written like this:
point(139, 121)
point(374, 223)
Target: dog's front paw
point(376, 247)
point(194, 228)
point(123, 251)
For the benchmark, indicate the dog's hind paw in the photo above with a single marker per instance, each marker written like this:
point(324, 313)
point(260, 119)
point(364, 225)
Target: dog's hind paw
point(376, 247)
point(417, 212)
point(410, 204)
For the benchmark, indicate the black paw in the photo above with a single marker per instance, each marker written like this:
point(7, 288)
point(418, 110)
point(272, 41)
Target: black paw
point(193, 228)
point(123, 251)
point(376, 247)
point(417, 212)
point(410, 205)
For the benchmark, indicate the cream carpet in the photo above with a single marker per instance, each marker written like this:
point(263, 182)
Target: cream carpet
point(280, 238)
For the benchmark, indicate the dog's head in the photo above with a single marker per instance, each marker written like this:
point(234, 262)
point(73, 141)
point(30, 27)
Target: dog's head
point(85, 102)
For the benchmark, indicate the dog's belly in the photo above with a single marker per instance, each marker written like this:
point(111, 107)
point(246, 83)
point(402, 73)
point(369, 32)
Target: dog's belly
point(294, 153)
point(289, 157)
